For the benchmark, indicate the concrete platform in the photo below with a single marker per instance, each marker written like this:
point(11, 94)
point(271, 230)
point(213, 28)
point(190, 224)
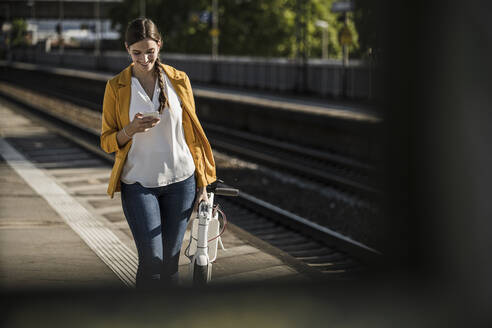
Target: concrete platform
point(43, 245)
point(37, 248)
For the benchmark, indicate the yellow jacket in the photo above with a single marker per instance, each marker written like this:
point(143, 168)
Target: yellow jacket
point(116, 108)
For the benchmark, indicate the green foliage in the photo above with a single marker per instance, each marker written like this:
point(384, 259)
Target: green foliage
point(259, 28)
point(247, 27)
point(19, 32)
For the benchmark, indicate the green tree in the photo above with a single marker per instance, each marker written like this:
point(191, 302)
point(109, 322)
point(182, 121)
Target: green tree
point(173, 19)
point(19, 32)
point(247, 27)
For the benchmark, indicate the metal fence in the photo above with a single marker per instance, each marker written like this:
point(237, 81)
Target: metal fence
point(326, 78)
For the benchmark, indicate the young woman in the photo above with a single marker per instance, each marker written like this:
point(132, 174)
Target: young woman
point(163, 161)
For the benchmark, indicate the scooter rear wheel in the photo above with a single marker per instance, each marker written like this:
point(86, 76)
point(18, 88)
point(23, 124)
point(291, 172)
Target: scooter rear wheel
point(200, 275)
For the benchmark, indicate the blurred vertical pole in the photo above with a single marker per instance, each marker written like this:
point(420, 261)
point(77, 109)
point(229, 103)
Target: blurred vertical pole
point(304, 44)
point(301, 45)
point(371, 67)
point(61, 45)
point(324, 41)
point(97, 15)
point(345, 46)
point(9, 32)
point(142, 8)
point(215, 29)
point(214, 32)
point(345, 60)
point(31, 3)
point(298, 29)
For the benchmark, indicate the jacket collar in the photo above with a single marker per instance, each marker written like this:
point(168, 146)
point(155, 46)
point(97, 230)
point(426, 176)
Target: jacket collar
point(125, 77)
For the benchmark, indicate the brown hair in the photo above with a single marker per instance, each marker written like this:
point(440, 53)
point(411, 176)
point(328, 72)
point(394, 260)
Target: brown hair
point(138, 30)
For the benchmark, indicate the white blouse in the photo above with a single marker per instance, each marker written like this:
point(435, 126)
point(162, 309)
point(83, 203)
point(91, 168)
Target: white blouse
point(159, 156)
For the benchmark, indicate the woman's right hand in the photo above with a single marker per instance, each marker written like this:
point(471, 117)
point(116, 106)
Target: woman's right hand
point(141, 124)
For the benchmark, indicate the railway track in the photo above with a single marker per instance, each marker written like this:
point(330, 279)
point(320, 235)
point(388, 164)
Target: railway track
point(319, 248)
point(337, 171)
point(331, 169)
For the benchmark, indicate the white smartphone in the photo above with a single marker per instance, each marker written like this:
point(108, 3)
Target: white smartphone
point(153, 114)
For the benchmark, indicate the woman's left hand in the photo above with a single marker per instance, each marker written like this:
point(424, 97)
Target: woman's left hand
point(201, 194)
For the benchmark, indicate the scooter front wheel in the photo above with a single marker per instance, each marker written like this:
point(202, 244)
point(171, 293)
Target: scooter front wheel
point(200, 273)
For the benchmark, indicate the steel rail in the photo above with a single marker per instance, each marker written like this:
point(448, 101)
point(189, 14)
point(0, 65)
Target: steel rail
point(233, 141)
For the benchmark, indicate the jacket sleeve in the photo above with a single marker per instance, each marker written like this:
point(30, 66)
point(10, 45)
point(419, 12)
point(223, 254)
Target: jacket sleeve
point(109, 127)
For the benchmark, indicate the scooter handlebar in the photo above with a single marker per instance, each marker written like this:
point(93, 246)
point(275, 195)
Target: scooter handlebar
point(226, 191)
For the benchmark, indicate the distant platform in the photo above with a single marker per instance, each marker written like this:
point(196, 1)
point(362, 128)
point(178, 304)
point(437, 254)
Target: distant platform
point(315, 106)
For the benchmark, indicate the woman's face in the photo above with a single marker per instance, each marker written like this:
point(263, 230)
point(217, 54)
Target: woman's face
point(144, 53)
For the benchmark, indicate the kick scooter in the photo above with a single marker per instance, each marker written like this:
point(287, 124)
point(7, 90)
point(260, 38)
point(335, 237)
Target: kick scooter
point(205, 235)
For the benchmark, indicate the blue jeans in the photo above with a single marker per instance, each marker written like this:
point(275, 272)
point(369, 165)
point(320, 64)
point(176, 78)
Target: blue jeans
point(158, 218)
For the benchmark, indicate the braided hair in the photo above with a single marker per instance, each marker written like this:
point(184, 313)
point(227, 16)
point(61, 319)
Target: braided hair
point(163, 101)
point(138, 30)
